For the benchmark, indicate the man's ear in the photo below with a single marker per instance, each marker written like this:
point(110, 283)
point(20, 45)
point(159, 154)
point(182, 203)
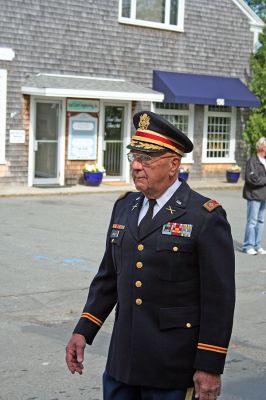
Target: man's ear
point(175, 163)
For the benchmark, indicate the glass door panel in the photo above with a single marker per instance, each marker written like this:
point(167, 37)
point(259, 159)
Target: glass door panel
point(113, 137)
point(46, 141)
point(46, 160)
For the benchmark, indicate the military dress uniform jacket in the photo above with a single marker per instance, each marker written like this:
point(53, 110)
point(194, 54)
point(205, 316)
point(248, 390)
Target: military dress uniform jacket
point(173, 289)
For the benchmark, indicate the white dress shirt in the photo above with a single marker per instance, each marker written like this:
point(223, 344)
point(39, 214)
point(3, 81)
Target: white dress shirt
point(160, 202)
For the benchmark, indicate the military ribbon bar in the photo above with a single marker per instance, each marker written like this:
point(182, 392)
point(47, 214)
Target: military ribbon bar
point(175, 229)
point(118, 226)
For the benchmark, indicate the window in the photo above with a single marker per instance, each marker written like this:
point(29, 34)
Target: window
point(3, 79)
point(162, 14)
point(181, 116)
point(219, 134)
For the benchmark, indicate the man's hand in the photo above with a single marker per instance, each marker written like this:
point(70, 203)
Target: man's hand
point(75, 353)
point(207, 386)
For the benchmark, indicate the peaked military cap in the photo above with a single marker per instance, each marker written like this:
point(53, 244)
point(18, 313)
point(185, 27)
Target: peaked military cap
point(155, 134)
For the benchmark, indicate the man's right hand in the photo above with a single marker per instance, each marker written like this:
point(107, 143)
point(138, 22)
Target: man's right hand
point(75, 353)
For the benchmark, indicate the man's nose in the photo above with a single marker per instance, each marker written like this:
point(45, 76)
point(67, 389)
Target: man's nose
point(136, 164)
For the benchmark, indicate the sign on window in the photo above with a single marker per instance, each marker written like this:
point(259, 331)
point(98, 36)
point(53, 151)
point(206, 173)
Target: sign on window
point(82, 139)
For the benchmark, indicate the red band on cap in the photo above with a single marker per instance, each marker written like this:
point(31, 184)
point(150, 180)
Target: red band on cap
point(159, 139)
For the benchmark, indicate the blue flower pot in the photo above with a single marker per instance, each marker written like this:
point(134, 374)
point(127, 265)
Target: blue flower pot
point(93, 178)
point(183, 175)
point(232, 177)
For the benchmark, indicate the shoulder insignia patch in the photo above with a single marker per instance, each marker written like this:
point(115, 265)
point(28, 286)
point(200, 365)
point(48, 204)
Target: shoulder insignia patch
point(210, 205)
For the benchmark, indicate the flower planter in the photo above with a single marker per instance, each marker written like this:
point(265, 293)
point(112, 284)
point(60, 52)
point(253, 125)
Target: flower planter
point(232, 176)
point(93, 178)
point(183, 175)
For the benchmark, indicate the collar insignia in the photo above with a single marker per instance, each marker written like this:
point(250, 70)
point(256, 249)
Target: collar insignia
point(170, 209)
point(178, 202)
point(135, 206)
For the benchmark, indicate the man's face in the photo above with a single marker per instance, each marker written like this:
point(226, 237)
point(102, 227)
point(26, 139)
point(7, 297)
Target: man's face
point(152, 177)
point(264, 149)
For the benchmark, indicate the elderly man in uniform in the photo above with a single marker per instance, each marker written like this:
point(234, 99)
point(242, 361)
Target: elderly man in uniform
point(168, 268)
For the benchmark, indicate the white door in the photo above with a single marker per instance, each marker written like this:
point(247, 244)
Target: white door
point(46, 142)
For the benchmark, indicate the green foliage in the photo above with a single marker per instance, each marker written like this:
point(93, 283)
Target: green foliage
point(255, 129)
point(256, 125)
point(259, 6)
point(258, 68)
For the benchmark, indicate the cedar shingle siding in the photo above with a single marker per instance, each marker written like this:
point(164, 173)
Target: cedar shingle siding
point(85, 38)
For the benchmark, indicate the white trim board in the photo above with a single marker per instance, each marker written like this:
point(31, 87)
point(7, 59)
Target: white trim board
point(3, 90)
point(6, 54)
point(99, 94)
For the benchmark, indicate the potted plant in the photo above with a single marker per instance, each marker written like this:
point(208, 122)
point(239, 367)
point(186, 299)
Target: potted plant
point(93, 174)
point(183, 173)
point(233, 174)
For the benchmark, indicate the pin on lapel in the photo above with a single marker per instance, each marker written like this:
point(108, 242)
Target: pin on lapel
point(179, 202)
point(171, 210)
point(135, 206)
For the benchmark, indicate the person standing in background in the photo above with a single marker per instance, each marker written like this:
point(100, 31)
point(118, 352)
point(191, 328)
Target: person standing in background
point(255, 193)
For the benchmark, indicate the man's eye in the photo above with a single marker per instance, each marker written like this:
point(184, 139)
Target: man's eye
point(145, 158)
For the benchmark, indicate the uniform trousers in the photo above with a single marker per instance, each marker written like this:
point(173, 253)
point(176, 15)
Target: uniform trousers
point(114, 390)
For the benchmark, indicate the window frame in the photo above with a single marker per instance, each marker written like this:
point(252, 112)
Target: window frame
point(219, 160)
point(3, 98)
point(157, 25)
point(188, 158)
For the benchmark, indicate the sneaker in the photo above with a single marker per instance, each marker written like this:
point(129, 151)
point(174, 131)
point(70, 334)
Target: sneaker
point(261, 251)
point(251, 252)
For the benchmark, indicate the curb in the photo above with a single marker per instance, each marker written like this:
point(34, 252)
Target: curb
point(25, 191)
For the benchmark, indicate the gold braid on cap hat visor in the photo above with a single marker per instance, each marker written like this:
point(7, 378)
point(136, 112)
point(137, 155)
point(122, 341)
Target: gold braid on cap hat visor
point(160, 140)
point(145, 146)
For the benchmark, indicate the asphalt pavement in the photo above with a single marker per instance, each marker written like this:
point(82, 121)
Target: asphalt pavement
point(51, 246)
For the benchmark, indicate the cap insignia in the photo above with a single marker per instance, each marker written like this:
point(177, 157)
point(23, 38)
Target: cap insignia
point(144, 121)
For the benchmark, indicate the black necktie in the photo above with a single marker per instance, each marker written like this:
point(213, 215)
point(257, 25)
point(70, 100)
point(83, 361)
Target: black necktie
point(146, 220)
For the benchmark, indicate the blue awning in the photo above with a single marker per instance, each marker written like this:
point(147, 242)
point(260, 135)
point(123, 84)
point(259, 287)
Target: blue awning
point(203, 89)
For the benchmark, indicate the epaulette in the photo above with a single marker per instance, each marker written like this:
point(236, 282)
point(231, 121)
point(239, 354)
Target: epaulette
point(210, 205)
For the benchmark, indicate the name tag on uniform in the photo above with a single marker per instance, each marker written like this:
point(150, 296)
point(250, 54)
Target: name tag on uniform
point(175, 229)
point(115, 233)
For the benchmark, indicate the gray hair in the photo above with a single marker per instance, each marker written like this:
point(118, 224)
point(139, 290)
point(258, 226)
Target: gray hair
point(261, 143)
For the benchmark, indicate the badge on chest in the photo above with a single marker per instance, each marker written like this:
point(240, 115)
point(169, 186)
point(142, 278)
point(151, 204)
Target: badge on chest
point(176, 229)
point(116, 230)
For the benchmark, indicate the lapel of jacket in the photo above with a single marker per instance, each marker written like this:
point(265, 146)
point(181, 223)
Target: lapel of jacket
point(133, 213)
point(174, 208)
